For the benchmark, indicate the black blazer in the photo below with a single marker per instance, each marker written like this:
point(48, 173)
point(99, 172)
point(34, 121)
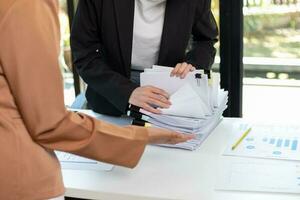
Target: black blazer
point(101, 41)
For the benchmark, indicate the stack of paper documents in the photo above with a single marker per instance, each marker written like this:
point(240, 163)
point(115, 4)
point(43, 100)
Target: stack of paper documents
point(197, 103)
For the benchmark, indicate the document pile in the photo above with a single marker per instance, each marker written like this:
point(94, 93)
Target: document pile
point(197, 103)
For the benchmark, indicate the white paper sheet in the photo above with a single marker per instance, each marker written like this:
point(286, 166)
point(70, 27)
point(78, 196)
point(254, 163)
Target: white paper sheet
point(259, 176)
point(187, 103)
point(267, 141)
point(74, 162)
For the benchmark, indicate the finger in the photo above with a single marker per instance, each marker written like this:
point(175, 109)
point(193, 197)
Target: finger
point(141, 101)
point(135, 102)
point(190, 136)
point(182, 69)
point(151, 109)
point(187, 136)
point(186, 71)
point(160, 92)
point(175, 70)
point(189, 68)
point(182, 138)
point(158, 103)
point(160, 98)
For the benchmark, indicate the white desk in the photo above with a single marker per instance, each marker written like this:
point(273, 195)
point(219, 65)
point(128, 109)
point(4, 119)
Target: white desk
point(166, 174)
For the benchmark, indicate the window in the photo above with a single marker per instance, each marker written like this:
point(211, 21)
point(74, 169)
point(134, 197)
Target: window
point(216, 12)
point(65, 61)
point(271, 58)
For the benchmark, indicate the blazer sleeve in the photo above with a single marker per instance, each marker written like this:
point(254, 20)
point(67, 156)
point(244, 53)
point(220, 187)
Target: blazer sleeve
point(204, 36)
point(90, 58)
point(29, 41)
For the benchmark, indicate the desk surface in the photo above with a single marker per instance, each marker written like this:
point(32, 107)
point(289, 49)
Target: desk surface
point(166, 174)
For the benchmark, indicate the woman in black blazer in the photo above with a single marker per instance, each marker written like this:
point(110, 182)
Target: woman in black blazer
point(102, 46)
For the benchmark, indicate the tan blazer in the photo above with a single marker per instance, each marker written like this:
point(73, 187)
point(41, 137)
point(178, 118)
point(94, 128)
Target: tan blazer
point(33, 119)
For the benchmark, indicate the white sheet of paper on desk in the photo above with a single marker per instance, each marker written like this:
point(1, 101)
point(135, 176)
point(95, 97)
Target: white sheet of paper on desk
point(259, 176)
point(74, 162)
point(267, 141)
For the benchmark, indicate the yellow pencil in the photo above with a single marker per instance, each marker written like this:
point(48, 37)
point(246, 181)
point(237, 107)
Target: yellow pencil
point(148, 125)
point(241, 139)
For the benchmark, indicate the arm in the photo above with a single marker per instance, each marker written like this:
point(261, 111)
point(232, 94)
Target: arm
point(90, 59)
point(29, 39)
point(205, 33)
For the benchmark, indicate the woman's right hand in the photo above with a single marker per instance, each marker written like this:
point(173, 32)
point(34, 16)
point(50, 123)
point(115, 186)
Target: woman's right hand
point(163, 136)
point(149, 97)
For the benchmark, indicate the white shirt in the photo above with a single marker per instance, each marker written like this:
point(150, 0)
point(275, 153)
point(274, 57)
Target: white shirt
point(148, 26)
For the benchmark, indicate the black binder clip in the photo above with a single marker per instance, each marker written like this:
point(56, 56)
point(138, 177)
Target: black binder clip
point(208, 73)
point(198, 77)
point(134, 108)
point(138, 122)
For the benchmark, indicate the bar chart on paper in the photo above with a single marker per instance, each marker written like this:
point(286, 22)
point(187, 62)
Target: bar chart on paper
point(268, 141)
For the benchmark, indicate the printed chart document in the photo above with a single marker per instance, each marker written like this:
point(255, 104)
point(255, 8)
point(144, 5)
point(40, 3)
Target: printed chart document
point(259, 176)
point(267, 141)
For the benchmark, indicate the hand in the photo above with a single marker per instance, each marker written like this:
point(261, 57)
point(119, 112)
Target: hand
point(148, 96)
point(182, 69)
point(162, 136)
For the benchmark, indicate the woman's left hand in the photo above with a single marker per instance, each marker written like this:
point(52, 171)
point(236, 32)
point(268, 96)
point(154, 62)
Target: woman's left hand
point(182, 69)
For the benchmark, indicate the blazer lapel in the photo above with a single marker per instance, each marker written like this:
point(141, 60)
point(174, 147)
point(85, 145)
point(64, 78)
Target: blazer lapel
point(124, 10)
point(175, 27)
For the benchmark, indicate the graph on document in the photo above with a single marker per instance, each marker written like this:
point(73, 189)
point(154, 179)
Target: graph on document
point(280, 144)
point(268, 141)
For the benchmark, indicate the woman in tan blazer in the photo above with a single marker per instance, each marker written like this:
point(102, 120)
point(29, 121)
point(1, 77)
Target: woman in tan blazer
point(33, 118)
